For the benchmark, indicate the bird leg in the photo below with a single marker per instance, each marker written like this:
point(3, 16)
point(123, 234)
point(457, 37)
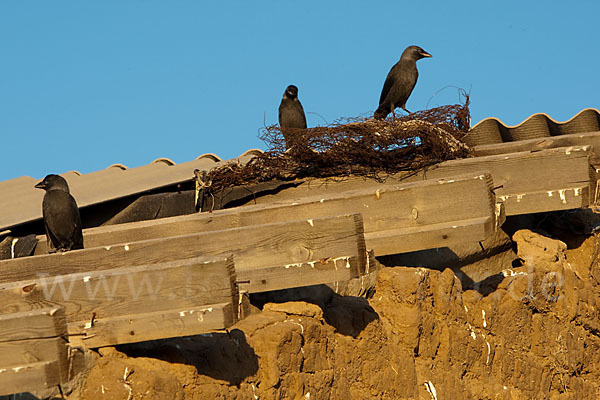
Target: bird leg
point(404, 108)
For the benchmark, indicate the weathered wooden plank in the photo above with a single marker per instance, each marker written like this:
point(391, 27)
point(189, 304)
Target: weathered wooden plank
point(17, 323)
point(91, 295)
point(29, 377)
point(557, 199)
point(536, 144)
point(431, 236)
point(527, 172)
point(20, 352)
point(254, 247)
point(359, 286)
point(500, 215)
point(305, 273)
point(384, 207)
point(28, 337)
point(594, 182)
point(153, 325)
point(512, 174)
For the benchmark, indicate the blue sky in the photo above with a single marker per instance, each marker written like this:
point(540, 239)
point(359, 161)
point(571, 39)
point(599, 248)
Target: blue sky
point(88, 84)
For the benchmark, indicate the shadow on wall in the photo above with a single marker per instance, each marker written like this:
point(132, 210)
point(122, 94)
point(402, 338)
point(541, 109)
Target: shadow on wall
point(211, 354)
point(349, 315)
point(465, 268)
point(20, 396)
point(214, 354)
point(479, 266)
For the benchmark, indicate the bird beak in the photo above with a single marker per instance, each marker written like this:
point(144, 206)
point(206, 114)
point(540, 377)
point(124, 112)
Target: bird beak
point(40, 185)
point(425, 54)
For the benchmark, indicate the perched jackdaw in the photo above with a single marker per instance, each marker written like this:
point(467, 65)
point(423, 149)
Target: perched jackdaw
point(61, 215)
point(400, 82)
point(291, 115)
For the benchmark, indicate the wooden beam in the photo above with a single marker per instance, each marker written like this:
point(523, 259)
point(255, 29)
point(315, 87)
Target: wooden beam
point(513, 174)
point(33, 349)
point(254, 247)
point(29, 377)
point(21, 352)
point(18, 324)
point(128, 304)
point(384, 207)
point(526, 171)
point(594, 182)
point(301, 274)
point(536, 144)
point(557, 199)
point(87, 296)
point(153, 325)
point(431, 236)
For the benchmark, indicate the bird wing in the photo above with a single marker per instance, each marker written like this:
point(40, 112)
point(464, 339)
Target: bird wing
point(50, 238)
point(302, 114)
point(78, 234)
point(387, 86)
point(280, 111)
point(411, 83)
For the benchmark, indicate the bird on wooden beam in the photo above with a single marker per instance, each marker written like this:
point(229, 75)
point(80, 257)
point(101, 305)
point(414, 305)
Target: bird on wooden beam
point(61, 215)
point(291, 115)
point(400, 82)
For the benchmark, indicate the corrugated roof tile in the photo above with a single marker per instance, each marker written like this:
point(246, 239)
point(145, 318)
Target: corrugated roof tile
point(120, 166)
point(167, 161)
point(21, 202)
point(252, 152)
point(492, 130)
point(211, 156)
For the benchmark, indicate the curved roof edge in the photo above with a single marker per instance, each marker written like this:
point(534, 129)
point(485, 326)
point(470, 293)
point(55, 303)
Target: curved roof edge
point(252, 152)
point(494, 131)
point(536, 115)
point(164, 160)
point(119, 166)
point(72, 172)
point(211, 156)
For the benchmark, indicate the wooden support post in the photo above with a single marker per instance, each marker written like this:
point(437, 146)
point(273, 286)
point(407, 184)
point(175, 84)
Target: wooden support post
point(33, 349)
point(29, 377)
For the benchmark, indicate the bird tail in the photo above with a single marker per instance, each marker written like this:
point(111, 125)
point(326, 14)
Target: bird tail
point(380, 113)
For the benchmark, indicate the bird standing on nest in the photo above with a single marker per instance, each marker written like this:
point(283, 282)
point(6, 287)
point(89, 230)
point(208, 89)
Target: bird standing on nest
point(291, 115)
point(400, 82)
point(61, 215)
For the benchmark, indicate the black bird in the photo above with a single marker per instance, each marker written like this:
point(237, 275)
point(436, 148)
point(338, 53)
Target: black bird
point(400, 82)
point(61, 215)
point(291, 115)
